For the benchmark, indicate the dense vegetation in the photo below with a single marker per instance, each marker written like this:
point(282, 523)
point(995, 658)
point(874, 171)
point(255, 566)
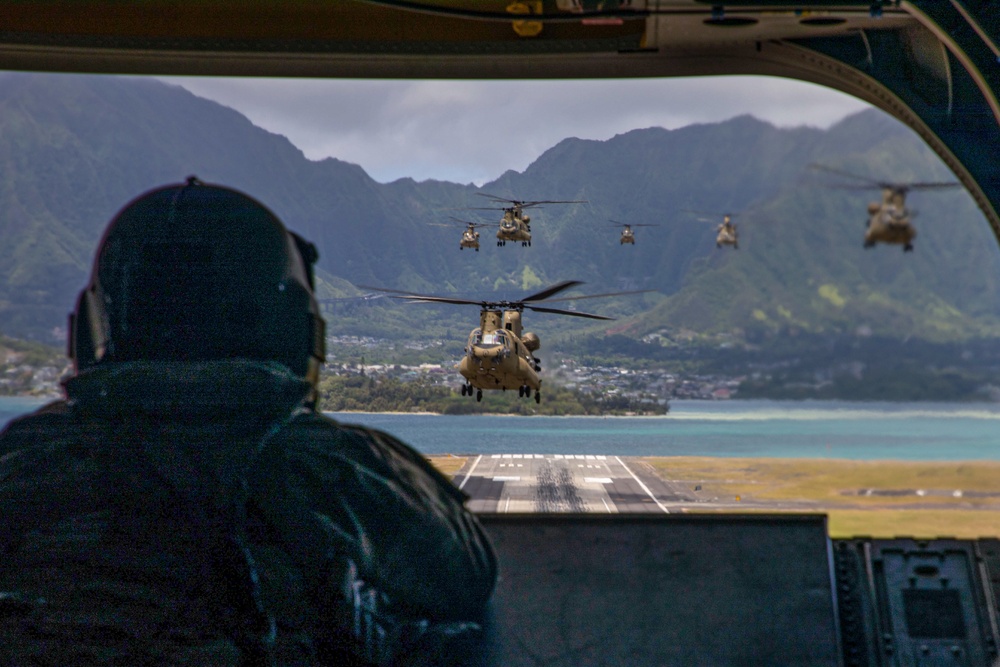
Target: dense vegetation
point(367, 394)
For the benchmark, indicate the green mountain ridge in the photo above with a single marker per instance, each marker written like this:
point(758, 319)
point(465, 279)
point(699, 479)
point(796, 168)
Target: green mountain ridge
point(75, 149)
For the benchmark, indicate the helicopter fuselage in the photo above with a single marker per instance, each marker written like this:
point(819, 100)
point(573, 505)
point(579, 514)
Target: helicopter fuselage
point(889, 222)
point(498, 365)
point(499, 354)
point(470, 239)
point(514, 226)
point(628, 236)
point(727, 235)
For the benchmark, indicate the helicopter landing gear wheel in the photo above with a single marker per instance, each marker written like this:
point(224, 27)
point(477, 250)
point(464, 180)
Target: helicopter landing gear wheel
point(908, 247)
point(538, 396)
point(529, 244)
point(477, 248)
point(463, 390)
point(479, 395)
point(520, 391)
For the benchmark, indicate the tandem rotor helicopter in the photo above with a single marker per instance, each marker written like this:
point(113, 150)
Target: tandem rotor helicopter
point(470, 237)
point(726, 231)
point(628, 235)
point(515, 225)
point(500, 354)
point(889, 220)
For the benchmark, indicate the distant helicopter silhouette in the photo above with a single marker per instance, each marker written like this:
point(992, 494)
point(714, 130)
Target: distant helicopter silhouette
point(726, 233)
point(889, 220)
point(515, 225)
point(628, 235)
point(470, 237)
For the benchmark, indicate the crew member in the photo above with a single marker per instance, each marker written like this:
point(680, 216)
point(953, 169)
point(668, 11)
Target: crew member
point(187, 503)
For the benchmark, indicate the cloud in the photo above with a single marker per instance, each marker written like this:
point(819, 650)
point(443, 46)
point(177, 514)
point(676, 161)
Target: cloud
point(473, 131)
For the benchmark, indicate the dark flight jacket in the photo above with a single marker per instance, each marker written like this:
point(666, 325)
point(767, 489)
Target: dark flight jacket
point(200, 513)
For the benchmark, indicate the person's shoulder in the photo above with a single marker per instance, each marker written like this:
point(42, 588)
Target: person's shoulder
point(318, 436)
point(318, 425)
point(52, 419)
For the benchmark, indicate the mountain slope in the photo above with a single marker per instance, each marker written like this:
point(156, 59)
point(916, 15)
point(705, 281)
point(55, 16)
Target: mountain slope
point(75, 149)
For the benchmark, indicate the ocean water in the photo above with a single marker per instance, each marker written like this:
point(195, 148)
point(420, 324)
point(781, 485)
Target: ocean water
point(796, 429)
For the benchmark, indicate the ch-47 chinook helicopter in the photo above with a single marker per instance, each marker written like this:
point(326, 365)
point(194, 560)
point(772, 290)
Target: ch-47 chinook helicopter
point(515, 225)
point(470, 237)
point(888, 220)
point(628, 236)
point(500, 354)
point(726, 232)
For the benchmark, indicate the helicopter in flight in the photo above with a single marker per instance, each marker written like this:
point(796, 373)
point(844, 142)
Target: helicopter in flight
point(499, 354)
point(889, 221)
point(726, 233)
point(515, 225)
point(628, 235)
point(470, 237)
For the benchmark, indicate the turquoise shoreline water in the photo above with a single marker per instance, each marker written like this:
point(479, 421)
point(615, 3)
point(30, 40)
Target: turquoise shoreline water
point(806, 429)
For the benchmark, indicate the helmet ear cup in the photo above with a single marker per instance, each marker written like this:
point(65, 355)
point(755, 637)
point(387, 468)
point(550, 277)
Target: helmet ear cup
point(85, 339)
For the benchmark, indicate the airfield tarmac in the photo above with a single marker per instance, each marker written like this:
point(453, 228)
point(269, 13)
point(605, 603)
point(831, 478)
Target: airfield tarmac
point(888, 499)
point(501, 483)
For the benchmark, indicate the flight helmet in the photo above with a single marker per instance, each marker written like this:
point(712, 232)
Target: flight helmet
point(195, 272)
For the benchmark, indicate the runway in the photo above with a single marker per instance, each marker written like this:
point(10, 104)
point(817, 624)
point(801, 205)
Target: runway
point(530, 483)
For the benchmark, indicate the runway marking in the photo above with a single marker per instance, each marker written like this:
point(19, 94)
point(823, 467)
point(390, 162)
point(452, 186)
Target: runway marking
point(606, 505)
point(594, 480)
point(469, 474)
point(507, 506)
point(502, 478)
point(644, 487)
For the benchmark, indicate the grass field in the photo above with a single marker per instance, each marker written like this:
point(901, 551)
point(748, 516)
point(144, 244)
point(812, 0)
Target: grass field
point(861, 498)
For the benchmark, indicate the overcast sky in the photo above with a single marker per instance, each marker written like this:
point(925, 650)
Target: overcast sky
point(473, 131)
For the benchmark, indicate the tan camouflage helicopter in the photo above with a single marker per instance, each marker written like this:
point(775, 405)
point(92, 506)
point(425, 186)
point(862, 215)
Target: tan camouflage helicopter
point(628, 235)
point(726, 233)
point(470, 237)
point(515, 225)
point(499, 354)
point(888, 220)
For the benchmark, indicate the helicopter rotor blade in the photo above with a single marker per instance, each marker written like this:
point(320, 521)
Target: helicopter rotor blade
point(418, 298)
point(526, 204)
point(560, 311)
point(599, 296)
point(714, 214)
point(846, 174)
point(851, 186)
point(413, 296)
point(551, 291)
point(495, 198)
point(933, 186)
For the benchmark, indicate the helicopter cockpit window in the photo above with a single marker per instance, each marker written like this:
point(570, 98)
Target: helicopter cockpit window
point(494, 338)
point(475, 337)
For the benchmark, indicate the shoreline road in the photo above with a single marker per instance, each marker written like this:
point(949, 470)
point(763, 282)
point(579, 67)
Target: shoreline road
point(530, 483)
